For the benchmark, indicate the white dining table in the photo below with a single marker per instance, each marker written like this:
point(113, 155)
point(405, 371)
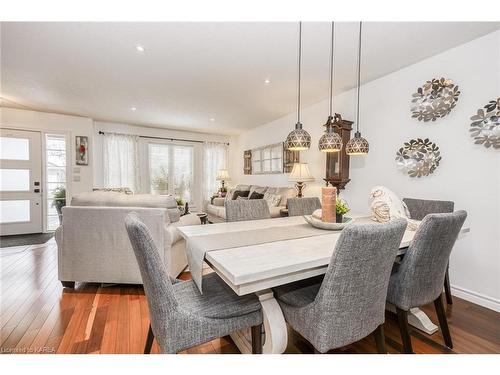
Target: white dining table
point(258, 268)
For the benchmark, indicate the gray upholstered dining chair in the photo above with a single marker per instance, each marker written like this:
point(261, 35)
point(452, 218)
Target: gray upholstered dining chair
point(302, 206)
point(418, 279)
point(349, 304)
point(247, 209)
point(419, 208)
point(180, 316)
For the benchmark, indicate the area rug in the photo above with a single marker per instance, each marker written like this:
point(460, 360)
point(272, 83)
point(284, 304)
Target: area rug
point(25, 239)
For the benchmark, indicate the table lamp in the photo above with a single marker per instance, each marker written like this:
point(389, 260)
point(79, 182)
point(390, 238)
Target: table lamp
point(300, 174)
point(223, 176)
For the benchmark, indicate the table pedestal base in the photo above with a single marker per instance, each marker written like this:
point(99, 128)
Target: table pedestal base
point(418, 319)
point(275, 331)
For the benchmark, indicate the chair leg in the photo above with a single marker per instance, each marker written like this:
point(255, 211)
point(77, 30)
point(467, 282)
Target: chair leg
point(380, 339)
point(257, 339)
point(405, 330)
point(443, 322)
point(149, 341)
point(447, 287)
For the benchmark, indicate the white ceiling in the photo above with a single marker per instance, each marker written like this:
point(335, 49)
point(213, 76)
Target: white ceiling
point(192, 72)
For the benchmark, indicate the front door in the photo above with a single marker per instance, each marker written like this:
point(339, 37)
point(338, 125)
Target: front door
point(20, 182)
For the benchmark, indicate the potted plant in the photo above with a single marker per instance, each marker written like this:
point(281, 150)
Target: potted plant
point(180, 205)
point(59, 200)
point(159, 183)
point(341, 208)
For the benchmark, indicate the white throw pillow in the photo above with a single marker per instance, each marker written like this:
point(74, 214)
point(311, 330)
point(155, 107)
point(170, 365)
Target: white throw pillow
point(273, 200)
point(386, 206)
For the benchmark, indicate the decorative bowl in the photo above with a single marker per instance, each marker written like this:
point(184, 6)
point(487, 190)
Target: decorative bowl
point(328, 226)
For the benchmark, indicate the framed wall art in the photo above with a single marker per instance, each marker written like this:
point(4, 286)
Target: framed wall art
point(82, 150)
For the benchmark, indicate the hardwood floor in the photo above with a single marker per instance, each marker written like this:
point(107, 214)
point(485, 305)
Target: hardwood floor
point(39, 316)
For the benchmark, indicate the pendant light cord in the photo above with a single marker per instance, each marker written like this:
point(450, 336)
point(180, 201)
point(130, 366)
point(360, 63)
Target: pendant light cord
point(359, 75)
point(300, 60)
point(331, 68)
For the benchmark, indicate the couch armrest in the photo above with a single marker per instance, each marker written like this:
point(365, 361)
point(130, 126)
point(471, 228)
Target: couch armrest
point(219, 201)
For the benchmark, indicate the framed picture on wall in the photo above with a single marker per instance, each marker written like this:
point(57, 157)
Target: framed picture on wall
point(82, 150)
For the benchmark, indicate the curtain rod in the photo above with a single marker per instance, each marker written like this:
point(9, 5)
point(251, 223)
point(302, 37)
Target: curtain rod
point(168, 139)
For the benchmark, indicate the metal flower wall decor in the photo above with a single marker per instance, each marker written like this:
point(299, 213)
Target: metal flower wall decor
point(418, 157)
point(435, 99)
point(485, 126)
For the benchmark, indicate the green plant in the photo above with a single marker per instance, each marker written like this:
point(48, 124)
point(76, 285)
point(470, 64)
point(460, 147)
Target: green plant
point(59, 200)
point(341, 207)
point(179, 201)
point(160, 181)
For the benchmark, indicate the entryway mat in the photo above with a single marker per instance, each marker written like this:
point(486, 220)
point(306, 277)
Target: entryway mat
point(25, 239)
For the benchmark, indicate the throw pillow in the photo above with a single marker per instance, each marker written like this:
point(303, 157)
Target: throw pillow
point(256, 195)
point(272, 200)
point(386, 206)
point(239, 193)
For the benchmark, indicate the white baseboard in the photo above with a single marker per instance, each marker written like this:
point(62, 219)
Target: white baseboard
point(477, 298)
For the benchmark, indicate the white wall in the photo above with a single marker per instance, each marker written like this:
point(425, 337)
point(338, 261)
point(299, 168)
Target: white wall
point(156, 132)
point(468, 174)
point(50, 122)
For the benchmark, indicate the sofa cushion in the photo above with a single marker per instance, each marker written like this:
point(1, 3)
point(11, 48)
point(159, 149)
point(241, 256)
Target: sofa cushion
point(112, 199)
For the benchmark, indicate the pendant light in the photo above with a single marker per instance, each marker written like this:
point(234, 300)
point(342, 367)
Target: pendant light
point(331, 141)
point(358, 145)
point(298, 139)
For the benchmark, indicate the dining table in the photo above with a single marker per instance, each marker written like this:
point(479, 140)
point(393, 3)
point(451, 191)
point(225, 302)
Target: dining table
point(261, 262)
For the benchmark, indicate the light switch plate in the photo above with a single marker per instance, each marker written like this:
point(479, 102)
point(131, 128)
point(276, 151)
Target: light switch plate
point(76, 178)
point(76, 170)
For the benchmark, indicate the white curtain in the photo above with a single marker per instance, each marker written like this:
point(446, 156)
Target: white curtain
point(214, 158)
point(120, 161)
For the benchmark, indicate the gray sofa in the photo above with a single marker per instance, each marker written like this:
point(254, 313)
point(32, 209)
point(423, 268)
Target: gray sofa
point(217, 212)
point(93, 244)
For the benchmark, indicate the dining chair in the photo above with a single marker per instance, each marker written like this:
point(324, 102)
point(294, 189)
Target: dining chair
point(418, 279)
point(180, 316)
point(247, 209)
point(349, 303)
point(418, 209)
point(302, 206)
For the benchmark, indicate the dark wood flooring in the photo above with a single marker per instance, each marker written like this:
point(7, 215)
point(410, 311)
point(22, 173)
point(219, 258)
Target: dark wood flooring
point(39, 316)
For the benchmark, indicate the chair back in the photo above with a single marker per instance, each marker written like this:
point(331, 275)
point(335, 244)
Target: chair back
point(157, 285)
point(351, 299)
point(420, 276)
point(247, 209)
point(419, 208)
point(302, 206)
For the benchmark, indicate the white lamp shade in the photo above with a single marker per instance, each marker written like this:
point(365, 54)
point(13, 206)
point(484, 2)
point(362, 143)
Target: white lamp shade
point(300, 173)
point(223, 175)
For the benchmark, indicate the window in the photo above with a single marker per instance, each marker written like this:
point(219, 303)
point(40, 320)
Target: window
point(55, 156)
point(171, 170)
point(268, 159)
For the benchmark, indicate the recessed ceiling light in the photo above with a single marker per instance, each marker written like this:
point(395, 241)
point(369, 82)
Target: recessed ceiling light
point(133, 109)
point(212, 120)
point(139, 48)
point(267, 81)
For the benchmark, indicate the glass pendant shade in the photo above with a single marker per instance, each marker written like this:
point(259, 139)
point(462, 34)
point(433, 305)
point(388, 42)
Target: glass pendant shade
point(330, 141)
point(298, 139)
point(357, 145)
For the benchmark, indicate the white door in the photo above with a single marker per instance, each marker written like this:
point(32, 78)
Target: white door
point(20, 182)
